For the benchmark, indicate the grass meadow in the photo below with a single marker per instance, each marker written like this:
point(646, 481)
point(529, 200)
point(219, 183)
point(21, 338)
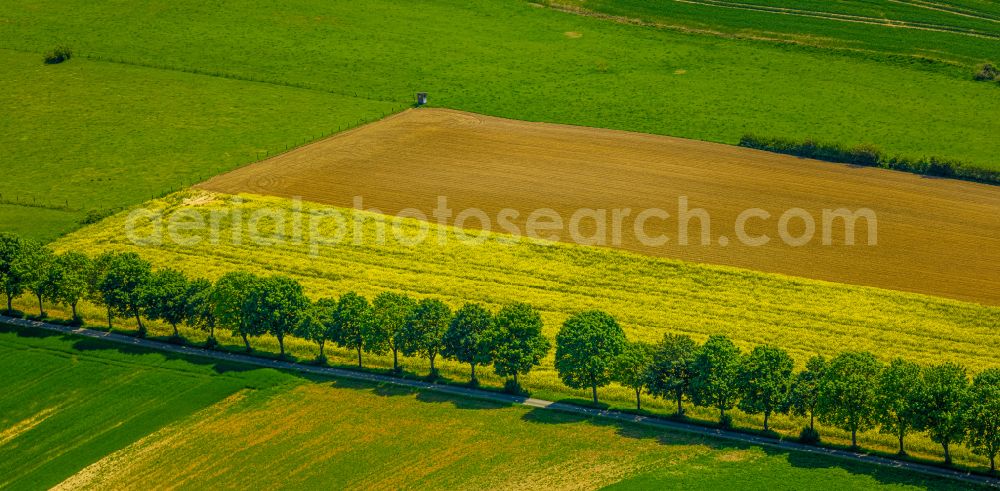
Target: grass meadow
point(88, 414)
point(108, 133)
point(975, 26)
point(88, 135)
point(649, 296)
point(38, 222)
point(515, 60)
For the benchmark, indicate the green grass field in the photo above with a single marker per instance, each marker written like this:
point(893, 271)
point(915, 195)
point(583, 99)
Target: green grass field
point(106, 134)
point(513, 59)
point(92, 414)
point(161, 95)
point(649, 296)
point(859, 27)
point(36, 222)
point(89, 135)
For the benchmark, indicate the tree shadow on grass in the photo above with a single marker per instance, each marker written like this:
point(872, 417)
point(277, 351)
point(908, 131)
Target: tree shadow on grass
point(795, 458)
point(30, 333)
point(88, 344)
point(219, 366)
point(548, 416)
point(460, 402)
point(588, 403)
point(664, 436)
point(429, 396)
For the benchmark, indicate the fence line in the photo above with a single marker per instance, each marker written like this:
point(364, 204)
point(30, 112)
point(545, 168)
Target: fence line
point(31, 200)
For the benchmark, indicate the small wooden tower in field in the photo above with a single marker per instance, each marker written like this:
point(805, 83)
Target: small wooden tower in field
point(421, 98)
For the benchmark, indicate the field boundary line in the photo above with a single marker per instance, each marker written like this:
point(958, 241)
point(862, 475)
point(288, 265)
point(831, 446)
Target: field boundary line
point(220, 74)
point(611, 414)
point(36, 204)
point(346, 131)
point(241, 78)
point(790, 39)
point(947, 9)
point(843, 17)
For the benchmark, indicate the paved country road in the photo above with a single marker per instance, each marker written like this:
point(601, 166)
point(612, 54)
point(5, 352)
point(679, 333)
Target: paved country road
point(510, 399)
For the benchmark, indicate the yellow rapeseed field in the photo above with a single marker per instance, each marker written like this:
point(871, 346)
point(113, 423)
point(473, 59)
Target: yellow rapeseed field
point(650, 296)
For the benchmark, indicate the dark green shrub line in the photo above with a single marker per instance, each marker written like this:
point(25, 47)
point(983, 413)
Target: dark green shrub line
point(853, 391)
point(870, 156)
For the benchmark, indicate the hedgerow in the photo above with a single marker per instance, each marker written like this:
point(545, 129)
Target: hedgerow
point(869, 155)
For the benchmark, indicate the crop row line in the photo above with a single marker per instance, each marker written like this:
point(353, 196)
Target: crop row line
point(844, 18)
point(949, 9)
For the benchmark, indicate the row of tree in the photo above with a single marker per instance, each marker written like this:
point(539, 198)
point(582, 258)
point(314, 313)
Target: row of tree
point(853, 391)
point(251, 306)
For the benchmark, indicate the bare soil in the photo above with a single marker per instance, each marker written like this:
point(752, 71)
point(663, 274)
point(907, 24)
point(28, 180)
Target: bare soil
point(934, 236)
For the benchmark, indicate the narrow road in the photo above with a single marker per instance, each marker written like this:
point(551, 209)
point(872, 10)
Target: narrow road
point(511, 399)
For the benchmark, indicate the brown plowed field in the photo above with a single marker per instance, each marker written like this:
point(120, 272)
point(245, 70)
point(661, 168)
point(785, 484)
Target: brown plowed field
point(935, 236)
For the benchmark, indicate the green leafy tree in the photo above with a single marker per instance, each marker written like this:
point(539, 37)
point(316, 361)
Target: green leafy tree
point(803, 396)
point(424, 333)
point(123, 284)
point(586, 347)
point(276, 304)
point(392, 312)
point(467, 338)
point(38, 269)
point(765, 378)
point(670, 372)
point(715, 375)
point(941, 405)
point(899, 386)
point(73, 273)
point(199, 311)
point(164, 297)
point(11, 276)
point(631, 368)
point(98, 272)
point(983, 415)
point(230, 298)
point(354, 327)
point(317, 324)
point(517, 341)
point(848, 393)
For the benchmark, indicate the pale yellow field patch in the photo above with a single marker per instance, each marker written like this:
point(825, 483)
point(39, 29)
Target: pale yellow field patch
point(312, 433)
point(25, 425)
point(101, 473)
